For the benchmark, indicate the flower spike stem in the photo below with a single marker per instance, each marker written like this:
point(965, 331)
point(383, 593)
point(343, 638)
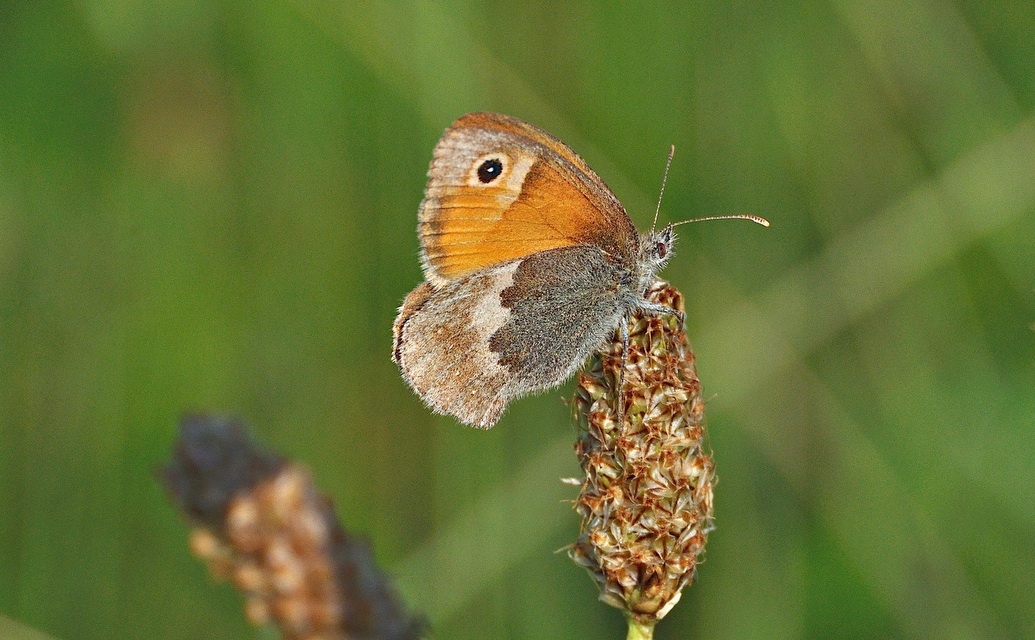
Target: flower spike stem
point(640, 630)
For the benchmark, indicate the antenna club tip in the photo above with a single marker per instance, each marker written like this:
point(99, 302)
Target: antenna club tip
point(737, 216)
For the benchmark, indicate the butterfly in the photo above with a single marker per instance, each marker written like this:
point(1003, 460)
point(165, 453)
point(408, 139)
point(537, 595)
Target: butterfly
point(530, 264)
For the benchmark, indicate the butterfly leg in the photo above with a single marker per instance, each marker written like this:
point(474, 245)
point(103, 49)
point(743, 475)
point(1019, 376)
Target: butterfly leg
point(656, 309)
point(651, 308)
point(621, 368)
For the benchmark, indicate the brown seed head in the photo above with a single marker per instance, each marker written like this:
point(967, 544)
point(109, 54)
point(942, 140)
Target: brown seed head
point(260, 522)
point(646, 503)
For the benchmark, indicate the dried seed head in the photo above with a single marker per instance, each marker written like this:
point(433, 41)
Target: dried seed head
point(260, 522)
point(646, 502)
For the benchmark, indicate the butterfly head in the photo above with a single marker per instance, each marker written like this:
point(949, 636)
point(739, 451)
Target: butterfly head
point(655, 251)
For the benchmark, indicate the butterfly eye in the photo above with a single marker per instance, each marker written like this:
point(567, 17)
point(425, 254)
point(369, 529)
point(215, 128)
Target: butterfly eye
point(490, 170)
point(661, 248)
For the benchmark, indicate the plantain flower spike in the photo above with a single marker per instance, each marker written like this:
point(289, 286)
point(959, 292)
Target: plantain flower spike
point(259, 521)
point(646, 501)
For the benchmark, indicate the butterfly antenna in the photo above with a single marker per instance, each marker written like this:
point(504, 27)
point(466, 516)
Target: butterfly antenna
point(740, 216)
point(664, 180)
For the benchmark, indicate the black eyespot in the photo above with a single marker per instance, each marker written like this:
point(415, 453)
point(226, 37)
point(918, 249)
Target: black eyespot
point(490, 170)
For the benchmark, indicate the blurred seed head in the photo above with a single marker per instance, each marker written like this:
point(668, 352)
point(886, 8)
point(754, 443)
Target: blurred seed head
point(260, 523)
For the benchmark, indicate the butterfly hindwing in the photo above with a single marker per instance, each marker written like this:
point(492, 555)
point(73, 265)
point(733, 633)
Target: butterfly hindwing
point(474, 344)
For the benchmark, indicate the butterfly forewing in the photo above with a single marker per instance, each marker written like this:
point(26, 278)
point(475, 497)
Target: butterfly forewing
point(501, 189)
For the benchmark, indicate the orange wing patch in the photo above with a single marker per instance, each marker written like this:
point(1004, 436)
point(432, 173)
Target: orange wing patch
point(539, 196)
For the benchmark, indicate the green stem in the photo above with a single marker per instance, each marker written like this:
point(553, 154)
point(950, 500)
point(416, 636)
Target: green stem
point(640, 630)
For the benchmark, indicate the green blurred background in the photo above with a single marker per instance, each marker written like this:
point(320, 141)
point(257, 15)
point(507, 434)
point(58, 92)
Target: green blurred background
point(212, 205)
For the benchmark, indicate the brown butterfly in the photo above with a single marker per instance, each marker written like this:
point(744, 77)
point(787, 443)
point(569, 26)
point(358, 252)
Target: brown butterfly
point(530, 263)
